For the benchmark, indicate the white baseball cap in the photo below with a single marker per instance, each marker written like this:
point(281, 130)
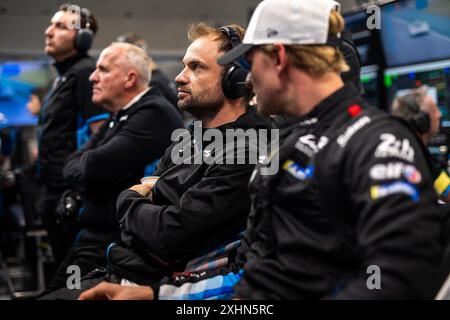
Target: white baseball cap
point(288, 22)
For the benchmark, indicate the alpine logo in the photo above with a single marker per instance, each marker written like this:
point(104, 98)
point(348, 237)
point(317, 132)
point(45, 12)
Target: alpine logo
point(308, 145)
point(308, 122)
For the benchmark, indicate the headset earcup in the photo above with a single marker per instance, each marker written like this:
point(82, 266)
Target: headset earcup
point(421, 122)
point(233, 82)
point(83, 40)
point(351, 56)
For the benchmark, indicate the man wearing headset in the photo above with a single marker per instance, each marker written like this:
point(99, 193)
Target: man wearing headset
point(193, 206)
point(137, 133)
point(336, 222)
point(352, 214)
point(422, 113)
point(65, 110)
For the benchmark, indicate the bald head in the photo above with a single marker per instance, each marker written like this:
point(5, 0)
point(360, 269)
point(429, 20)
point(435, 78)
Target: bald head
point(131, 57)
point(122, 72)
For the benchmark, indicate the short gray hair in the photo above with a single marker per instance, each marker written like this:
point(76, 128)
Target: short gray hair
point(138, 59)
point(402, 106)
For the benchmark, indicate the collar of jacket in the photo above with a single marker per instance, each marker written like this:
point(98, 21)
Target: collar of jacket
point(329, 108)
point(250, 119)
point(125, 112)
point(63, 66)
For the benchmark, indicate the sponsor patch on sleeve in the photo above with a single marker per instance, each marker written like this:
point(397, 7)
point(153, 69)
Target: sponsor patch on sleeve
point(391, 147)
point(395, 170)
point(398, 187)
point(297, 171)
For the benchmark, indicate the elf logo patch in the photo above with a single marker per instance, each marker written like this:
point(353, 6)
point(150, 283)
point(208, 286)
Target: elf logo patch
point(395, 170)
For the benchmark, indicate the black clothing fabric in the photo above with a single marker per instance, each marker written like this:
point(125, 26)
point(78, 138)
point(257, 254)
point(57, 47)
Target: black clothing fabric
point(86, 255)
point(167, 87)
point(353, 191)
point(62, 109)
point(87, 282)
point(194, 207)
point(61, 235)
point(65, 106)
point(113, 160)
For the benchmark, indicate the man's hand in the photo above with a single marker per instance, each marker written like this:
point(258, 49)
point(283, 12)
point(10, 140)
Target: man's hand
point(143, 189)
point(110, 291)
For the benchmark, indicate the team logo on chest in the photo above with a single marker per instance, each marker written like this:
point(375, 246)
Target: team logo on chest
point(309, 145)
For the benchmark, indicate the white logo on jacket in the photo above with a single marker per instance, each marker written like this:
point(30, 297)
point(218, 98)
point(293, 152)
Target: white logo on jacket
point(395, 170)
point(308, 145)
point(390, 146)
point(350, 131)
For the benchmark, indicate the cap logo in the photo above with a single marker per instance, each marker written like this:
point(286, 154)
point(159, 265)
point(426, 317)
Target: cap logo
point(271, 32)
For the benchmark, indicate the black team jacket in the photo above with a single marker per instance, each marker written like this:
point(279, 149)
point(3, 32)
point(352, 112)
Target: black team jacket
point(195, 207)
point(114, 159)
point(353, 199)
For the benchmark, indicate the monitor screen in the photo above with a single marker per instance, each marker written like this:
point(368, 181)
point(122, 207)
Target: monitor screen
point(415, 31)
point(18, 80)
point(356, 24)
point(369, 80)
point(436, 75)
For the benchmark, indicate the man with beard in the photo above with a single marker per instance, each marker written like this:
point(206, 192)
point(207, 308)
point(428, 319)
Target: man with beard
point(339, 220)
point(65, 110)
point(193, 206)
point(137, 133)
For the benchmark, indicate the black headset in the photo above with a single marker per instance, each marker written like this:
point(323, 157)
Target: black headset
point(421, 120)
point(84, 36)
point(233, 80)
point(351, 56)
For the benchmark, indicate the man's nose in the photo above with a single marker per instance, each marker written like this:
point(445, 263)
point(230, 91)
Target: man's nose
point(181, 77)
point(93, 76)
point(49, 31)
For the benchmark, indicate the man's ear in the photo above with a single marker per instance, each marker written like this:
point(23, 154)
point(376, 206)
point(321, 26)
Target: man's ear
point(132, 79)
point(282, 58)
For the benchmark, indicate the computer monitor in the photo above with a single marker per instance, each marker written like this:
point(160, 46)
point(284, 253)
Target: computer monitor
point(436, 75)
point(356, 24)
point(369, 80)
point(18, 80)
point(415, 31)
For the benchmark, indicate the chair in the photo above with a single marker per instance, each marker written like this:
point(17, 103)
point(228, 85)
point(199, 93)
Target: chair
point(5, 277)
point(27, 189)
